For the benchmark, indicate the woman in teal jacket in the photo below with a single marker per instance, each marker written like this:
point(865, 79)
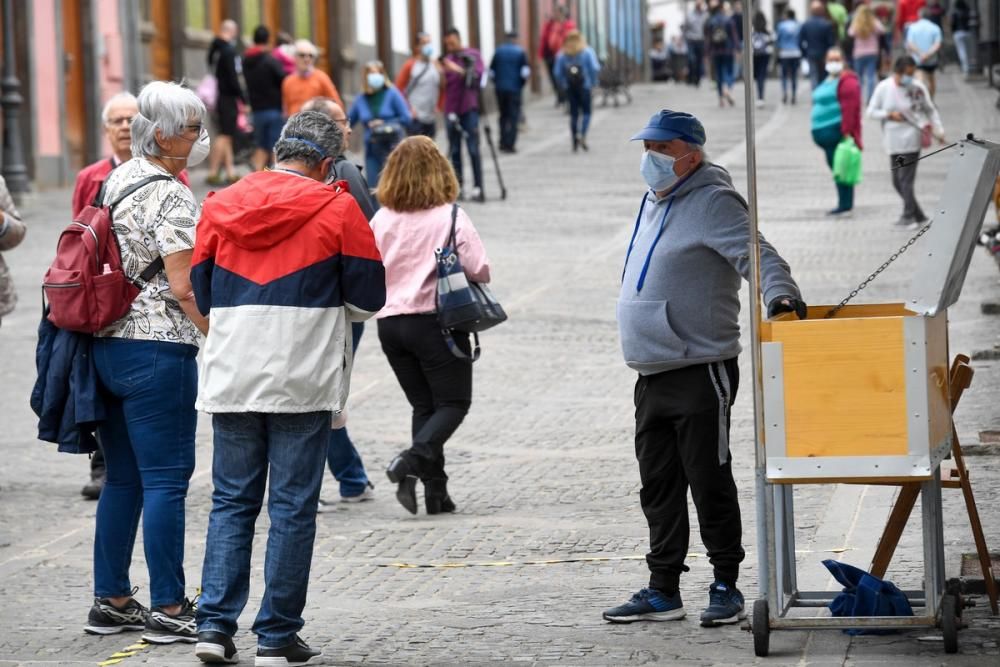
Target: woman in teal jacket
point(836, 115)
point(384, 114)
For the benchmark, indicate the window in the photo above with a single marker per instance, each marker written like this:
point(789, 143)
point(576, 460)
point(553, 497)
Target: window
point(251, 17)
point(197, 14)
point(303, 19)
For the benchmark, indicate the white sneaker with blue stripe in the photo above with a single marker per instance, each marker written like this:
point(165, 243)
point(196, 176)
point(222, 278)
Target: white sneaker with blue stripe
point(648, 604)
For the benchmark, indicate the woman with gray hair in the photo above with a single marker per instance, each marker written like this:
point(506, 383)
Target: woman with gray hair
point(147, 370)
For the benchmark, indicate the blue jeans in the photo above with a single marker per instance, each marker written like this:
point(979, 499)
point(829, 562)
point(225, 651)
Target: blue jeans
point(341, 456)
point(790, 75)
point(148, 442)
point(469, 122)
point(249, 446)
point(376, 153)
point(723, 71)
point(579, 108)
point(867, 68)
point(509, 104)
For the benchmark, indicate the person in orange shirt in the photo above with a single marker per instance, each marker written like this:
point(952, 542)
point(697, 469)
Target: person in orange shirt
point(306, 82)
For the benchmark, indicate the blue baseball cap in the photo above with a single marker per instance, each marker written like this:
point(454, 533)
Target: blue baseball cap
point(666, 125)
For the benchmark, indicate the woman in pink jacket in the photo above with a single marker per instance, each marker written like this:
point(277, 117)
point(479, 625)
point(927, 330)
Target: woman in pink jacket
point(416, 191)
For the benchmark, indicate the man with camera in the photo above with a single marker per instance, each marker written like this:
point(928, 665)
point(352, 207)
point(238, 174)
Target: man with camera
point(463, 70)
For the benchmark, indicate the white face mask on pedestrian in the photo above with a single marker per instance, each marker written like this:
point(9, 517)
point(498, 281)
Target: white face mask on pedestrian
point(834, 67)
point(657, 170)
point(200, 149)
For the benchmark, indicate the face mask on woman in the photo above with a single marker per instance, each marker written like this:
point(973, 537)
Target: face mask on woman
point(906, 80)
point(200, 148)
point(427, 50)
point(834, 67)
point(376, 80)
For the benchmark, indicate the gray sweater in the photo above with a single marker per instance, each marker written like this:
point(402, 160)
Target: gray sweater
point(679, 303)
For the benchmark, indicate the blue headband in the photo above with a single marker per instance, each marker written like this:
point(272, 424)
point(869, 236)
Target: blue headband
point(308, 143)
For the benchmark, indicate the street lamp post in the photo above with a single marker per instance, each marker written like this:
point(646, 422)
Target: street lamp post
point(14, 170)
point(975, 68)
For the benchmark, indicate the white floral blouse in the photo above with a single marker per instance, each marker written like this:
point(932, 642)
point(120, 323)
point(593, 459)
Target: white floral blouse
point(155, 221)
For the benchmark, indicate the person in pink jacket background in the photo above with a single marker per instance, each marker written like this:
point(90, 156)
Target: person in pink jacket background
point(417, 191)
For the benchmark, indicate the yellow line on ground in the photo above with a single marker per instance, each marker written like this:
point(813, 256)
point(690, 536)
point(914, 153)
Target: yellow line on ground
point(124, 654)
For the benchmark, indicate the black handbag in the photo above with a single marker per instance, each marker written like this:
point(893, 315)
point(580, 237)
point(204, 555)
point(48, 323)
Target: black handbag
point(462, 305)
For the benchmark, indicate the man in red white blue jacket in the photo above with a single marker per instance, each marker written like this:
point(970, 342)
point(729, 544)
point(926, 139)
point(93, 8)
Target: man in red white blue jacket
point(282, 264)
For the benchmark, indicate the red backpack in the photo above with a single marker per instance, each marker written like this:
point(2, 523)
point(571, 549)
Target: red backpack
point(85, 285)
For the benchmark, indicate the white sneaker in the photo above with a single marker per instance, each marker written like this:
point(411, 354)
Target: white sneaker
point(367, 494)
point(760, 104)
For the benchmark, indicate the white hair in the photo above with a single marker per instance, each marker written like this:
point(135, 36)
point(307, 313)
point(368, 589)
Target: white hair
point(115, 99)
point(305, 46)
point(167, 107)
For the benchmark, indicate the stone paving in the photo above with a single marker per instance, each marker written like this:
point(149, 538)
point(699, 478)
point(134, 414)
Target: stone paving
point(549, 531)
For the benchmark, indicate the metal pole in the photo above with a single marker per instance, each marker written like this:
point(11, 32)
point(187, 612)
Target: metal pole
point(765, 502)
point(14, 170)
point(975, 72)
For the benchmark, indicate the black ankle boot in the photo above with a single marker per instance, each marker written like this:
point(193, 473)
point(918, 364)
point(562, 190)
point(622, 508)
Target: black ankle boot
point(400, 468)
point(436, 498)
point(406, 494)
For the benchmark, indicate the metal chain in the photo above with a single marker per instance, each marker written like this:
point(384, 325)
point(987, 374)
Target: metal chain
point(885, 265)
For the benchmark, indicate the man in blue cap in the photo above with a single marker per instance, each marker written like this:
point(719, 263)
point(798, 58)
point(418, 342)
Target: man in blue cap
point(678, 317)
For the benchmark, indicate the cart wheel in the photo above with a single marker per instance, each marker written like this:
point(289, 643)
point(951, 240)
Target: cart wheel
point(949, 623)
point(761, 627)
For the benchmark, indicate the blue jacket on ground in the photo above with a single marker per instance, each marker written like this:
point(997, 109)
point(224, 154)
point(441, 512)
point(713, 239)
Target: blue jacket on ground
point(507, 68)
point(66, 396)
point(680, 296)
point(816, 37)
point(394, 110)
point(586, 59)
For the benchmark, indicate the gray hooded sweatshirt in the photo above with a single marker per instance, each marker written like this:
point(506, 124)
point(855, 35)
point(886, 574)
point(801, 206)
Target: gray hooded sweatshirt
point(679, 303)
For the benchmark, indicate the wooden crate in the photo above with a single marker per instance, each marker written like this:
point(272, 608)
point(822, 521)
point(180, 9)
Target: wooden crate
point(860, 396)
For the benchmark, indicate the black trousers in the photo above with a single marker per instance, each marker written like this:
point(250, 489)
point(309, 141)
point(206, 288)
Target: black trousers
point(509, 104)
point(437, 384)
point(903, 179)
point(681, 433)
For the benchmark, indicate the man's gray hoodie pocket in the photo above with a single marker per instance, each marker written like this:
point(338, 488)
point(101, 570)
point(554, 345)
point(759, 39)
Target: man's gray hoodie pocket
point(646, 334)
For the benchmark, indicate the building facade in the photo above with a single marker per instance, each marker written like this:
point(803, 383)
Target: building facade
point(70, 56)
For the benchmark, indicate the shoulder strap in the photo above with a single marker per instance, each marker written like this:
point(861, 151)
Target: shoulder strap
point(414, 80)
point(451, 237)
point(157, 264)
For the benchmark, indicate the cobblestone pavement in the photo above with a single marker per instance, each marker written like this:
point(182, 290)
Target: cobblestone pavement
point(549, 531)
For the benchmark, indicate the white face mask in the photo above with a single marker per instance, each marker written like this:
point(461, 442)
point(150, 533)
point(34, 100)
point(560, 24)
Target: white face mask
point(834, 68)
point(199, 150)
point(657, 170)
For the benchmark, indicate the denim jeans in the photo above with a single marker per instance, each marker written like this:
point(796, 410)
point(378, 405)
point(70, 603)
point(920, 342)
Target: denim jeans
point(342, 457)
point(760, 63)
point(469, 122)
point(249, 447)
point(790, 75)
point(696, 61)
point(437, 384)
point(867, 68)
point(148, 442)
point(817, 71)
point(723, 71)
point(509, 103)
point(579, 110)
point(376, 153)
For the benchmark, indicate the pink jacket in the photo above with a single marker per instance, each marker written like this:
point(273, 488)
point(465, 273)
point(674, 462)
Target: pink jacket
point(407, 242)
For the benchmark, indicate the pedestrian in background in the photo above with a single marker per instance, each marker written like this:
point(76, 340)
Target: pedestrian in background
point(463, 69)
point(904, 106)
point(694, 36)
point(789, 55)
point(284, 51)
point(421, 81)
point(12, 232)
point(264, 74)
point(418, 194)
point(866, 31)
point(147, 371)
point(735, 13)
point(907, 12)
point(307, 81)
point(763, 47)
point(550, 43)
point(923, 44)
point(342, 457)
point(678, 51)
point(960, 32)
point(223, 61)
point(383, 113)
point(576, 72)
point(816, 37)
point(281, 278)
point(686, 357)
point(659, 61)
point(836, 115)
point(721, 39)
point(510, 70)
